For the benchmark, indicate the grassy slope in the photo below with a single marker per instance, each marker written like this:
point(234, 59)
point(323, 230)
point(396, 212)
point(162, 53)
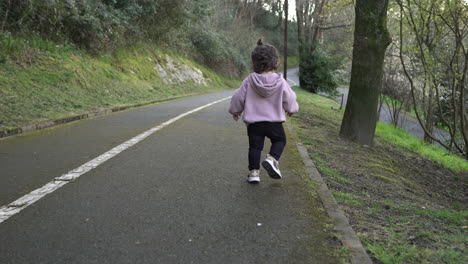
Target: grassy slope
point(293, 62)
point(40, 81)
point(405, 207)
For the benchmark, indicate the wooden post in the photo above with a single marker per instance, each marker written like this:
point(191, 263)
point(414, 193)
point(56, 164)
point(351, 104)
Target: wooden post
point(285, 74)
point(342, 99)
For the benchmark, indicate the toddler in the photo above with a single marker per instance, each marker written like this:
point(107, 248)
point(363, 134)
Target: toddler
point(264, 98)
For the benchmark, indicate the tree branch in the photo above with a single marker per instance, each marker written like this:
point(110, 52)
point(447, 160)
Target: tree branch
point(337, 26)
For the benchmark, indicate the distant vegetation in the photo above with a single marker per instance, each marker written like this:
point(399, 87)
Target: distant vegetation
point(219, 34)
point(60, 58)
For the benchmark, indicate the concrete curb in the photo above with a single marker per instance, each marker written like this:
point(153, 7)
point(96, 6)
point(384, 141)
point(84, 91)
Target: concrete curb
point(46, 124)
point(345, 232)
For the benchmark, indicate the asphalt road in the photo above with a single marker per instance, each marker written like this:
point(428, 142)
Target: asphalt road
point(30, 160)
point(293, 77)
point(179, 196)
point(407, 122)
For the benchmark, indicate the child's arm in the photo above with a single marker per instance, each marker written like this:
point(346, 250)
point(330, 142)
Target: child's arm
point(238, 100)
point(289, 100)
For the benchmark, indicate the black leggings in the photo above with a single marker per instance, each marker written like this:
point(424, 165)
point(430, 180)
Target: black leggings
point(257, 133)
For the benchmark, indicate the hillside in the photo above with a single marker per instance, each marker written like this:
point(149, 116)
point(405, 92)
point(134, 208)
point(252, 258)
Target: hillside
point(45, 81)
point(405, 207)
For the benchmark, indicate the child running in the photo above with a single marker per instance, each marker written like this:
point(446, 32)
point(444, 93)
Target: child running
point(264, 98)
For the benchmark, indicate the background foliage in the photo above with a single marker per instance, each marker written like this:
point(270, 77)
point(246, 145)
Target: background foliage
point(318, 72)
point(220, 34)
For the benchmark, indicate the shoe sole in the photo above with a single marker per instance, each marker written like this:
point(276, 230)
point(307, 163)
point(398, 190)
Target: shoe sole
point(253, 181)
point(271, 171)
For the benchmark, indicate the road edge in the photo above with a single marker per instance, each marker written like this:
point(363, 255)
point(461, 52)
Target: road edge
point(5, 133)
point(346, 234)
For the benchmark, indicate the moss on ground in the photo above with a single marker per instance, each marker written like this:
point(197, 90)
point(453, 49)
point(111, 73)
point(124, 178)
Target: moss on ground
point(293, 164)
point(405, 207)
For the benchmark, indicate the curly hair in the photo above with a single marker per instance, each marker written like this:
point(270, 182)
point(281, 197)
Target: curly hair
point(264, 58)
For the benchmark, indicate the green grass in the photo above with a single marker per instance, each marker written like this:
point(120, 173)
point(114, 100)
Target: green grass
point(293, 61)
point(326, 169)
point(398, 105)
point(394, 253)
point(400, 216)
point(40, 80)
point(440, 245)
point(348, 198)
point(318, 100)
point(387, 133)
point(403, 139)
point(418, 234)
point(455, 218)
point(375, 210)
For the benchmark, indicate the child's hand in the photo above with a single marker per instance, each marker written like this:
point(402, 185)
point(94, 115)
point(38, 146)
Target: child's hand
point(289, 114)
point(235, 117)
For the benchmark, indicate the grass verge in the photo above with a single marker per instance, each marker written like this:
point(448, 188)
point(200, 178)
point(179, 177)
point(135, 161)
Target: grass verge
point(404, 139)
point(293, 61)
point(407, 207)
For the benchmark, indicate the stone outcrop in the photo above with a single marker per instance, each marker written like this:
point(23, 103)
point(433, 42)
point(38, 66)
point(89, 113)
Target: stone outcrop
point(175, 72)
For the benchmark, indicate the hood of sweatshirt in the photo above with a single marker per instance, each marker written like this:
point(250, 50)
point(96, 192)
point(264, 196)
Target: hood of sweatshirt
point(265, 85)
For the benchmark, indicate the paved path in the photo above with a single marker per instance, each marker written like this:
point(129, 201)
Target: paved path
point(179, 196)
point(293, 77)
point(407, 122)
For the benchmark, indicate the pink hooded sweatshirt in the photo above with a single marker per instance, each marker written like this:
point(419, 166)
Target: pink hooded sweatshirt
point(264, 97)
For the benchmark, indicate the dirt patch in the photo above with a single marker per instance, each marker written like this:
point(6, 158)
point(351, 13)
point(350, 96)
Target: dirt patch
point(405, 208)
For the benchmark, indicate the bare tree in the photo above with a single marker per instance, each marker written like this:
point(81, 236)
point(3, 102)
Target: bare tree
point(437, 68)
point(394, 94)
point(310, 19)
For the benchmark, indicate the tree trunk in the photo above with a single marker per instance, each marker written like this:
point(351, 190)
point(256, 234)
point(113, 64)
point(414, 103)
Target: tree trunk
point(429, 119)
point(300, 25)
point(371, 39)
point(285, 72)
point(300, 31)
point(318, 21)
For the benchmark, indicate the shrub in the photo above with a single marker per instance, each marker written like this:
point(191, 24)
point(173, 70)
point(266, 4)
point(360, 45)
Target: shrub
point(216, 49)
point(95, 25)
point(317, 72)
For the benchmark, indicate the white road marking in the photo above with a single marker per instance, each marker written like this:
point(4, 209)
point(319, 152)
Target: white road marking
point(294, 83)
point(32, 197)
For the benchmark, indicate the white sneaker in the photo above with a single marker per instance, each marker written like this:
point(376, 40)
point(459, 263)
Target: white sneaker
point(270, 164)
point(254, 176)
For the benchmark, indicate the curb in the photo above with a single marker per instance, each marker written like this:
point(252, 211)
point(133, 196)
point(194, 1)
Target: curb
point(46, 124)
point(345, 232)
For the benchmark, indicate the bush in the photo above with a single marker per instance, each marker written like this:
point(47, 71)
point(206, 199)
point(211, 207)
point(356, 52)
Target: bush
point(317, 72)
point(95, 25)
point(216, 50)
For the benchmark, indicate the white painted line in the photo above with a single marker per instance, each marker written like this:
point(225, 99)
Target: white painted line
point(30, 198)
point(294, 83)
